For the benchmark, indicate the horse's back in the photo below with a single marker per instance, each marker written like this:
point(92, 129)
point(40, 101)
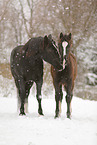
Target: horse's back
point(14, 52)
point(33, 44)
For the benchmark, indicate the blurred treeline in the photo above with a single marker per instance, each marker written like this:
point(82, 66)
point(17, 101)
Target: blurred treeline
point(23, 19)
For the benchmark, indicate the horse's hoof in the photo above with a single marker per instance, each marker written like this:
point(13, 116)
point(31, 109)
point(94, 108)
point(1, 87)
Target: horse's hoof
point(56, 116)
point(22, 113)
point(68, 116)
point(40, 112)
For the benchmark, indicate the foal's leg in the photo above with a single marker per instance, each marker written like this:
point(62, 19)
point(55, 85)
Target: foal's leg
point(39, 97)
point(58, 99)
point(68, 100)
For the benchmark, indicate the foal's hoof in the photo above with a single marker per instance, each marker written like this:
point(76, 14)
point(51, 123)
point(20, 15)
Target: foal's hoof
point(68, 116)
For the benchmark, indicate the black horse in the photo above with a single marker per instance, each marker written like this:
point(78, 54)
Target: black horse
point(27, 67)
point(65, 77)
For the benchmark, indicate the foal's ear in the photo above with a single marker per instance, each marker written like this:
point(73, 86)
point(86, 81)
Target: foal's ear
point(70, 35)
point(61, 35)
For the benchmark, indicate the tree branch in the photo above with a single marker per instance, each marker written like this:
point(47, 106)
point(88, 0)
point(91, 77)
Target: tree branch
point(23, 16)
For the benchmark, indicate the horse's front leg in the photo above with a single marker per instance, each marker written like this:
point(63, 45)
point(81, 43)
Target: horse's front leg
point(58, 99)
point(39, 97)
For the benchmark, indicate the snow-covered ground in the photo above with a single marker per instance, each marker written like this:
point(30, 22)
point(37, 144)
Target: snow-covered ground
point(35, 130)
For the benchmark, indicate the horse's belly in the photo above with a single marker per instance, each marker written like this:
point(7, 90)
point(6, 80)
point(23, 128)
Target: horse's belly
point(34, 75)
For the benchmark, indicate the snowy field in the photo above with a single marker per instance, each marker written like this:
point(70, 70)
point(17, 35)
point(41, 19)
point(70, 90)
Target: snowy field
point(35, 130)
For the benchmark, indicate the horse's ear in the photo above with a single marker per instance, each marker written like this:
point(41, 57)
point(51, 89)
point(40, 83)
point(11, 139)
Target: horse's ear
point(61, 35)
point(45, 40)
point(50, 36)
point(70, 35)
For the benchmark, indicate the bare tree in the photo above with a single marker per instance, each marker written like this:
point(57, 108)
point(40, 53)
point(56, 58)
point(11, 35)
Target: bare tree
point(3, 9)
point(17, 25)
point(28, 21)
point(23, 19)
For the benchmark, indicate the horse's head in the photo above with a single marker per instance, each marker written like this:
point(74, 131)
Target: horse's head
point(65, 43)
point(50, 52)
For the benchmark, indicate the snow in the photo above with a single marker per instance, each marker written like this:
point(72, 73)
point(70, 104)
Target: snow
point(35, 130)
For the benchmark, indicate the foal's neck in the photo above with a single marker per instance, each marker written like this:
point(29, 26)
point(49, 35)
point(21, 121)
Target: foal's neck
point(68, 54)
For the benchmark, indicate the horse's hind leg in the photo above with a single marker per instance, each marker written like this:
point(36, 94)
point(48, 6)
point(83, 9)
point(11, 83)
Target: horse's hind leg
point(28, 87)
point(18, 96)
point(39, 97)
point(22, 95)
point(18, 101)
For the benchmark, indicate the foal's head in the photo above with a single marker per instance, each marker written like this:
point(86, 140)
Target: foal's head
point(50, 52)
point(65, 43)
